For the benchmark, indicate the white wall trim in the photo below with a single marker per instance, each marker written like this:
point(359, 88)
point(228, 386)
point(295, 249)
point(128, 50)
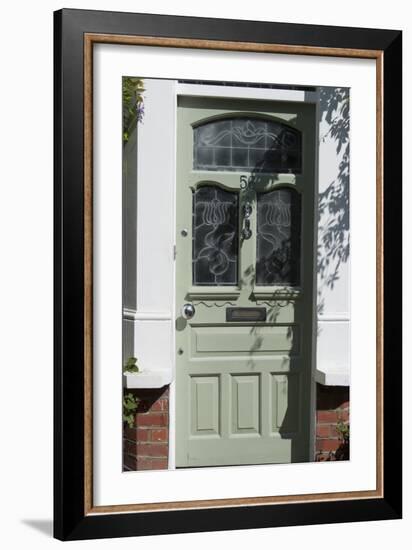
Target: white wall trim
point(172, 386)
point(147, 379)
point(146, 315)
point(334, 318)
point(332, 378)
point(239, 92)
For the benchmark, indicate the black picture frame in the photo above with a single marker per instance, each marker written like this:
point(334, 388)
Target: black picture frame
point(71, 522)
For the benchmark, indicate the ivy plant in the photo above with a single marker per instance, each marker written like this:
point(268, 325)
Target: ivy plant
point(131, 365)
point(133, 108)
point(130, 405)
point(343, 430)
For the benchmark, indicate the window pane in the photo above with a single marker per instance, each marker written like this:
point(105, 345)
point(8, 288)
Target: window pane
point(278, 238)
point(246, 143)
point(215, 236)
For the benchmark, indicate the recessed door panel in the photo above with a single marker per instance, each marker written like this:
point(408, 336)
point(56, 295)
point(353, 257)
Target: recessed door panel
point(205, 411)
point(246, 339)
point(245, 404)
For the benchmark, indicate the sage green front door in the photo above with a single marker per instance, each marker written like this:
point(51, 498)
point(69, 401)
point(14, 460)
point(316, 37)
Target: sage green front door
point(244, 281)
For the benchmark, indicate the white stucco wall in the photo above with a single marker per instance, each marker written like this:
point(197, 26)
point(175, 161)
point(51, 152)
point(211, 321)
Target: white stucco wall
point(149, 298)
point(333, 263)
point(149, 303)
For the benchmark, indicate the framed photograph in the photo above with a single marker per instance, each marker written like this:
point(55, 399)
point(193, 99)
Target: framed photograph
point(227, 274)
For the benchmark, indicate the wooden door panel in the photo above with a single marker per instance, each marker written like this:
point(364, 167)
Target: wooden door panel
point(281, 312)
point(285, 403)
point(243, 389)
point(235, 364)
point(236, 452)
point(205, 405)
point(245, 339)
point(246, 404)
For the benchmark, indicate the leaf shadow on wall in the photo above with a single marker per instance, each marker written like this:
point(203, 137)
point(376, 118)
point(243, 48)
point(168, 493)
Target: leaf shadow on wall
point(333, 202)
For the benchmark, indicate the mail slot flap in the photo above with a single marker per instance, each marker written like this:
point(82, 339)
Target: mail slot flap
point(245, 314)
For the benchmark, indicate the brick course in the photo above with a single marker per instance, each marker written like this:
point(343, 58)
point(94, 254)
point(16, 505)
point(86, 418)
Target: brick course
point(146, 444)
point(332, 406)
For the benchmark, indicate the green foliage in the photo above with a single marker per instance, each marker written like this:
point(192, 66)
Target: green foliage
point(130, 404)
point(133, 109)
point(131, 365)
point(343, 430)
point(130, 401)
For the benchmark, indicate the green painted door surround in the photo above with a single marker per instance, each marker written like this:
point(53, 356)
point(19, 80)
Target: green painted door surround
point(244, 281)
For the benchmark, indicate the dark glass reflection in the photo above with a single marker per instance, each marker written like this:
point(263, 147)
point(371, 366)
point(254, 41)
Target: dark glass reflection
point(247, 143)
point(278, 238)
point(215, 236)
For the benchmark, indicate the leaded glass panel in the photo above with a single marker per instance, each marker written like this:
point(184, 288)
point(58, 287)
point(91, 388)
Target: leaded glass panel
point(278, 237)
point(246, 143)
point(215, 236)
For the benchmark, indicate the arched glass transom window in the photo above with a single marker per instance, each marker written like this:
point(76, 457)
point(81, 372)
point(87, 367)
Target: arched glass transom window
point(247, 144)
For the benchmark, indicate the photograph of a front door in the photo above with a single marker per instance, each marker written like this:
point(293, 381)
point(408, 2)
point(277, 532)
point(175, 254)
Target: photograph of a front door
point(236, 274)
point(244, 299)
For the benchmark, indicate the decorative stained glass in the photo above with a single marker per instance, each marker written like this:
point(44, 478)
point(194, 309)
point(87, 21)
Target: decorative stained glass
point(278, 237)
point(246, 143)
point(215, 236)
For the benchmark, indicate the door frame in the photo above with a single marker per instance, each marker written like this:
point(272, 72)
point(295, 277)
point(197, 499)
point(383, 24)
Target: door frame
point(235, 93)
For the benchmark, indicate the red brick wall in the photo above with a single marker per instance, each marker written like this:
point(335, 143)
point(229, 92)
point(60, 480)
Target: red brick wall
point(332, 406)
point(146, 445)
